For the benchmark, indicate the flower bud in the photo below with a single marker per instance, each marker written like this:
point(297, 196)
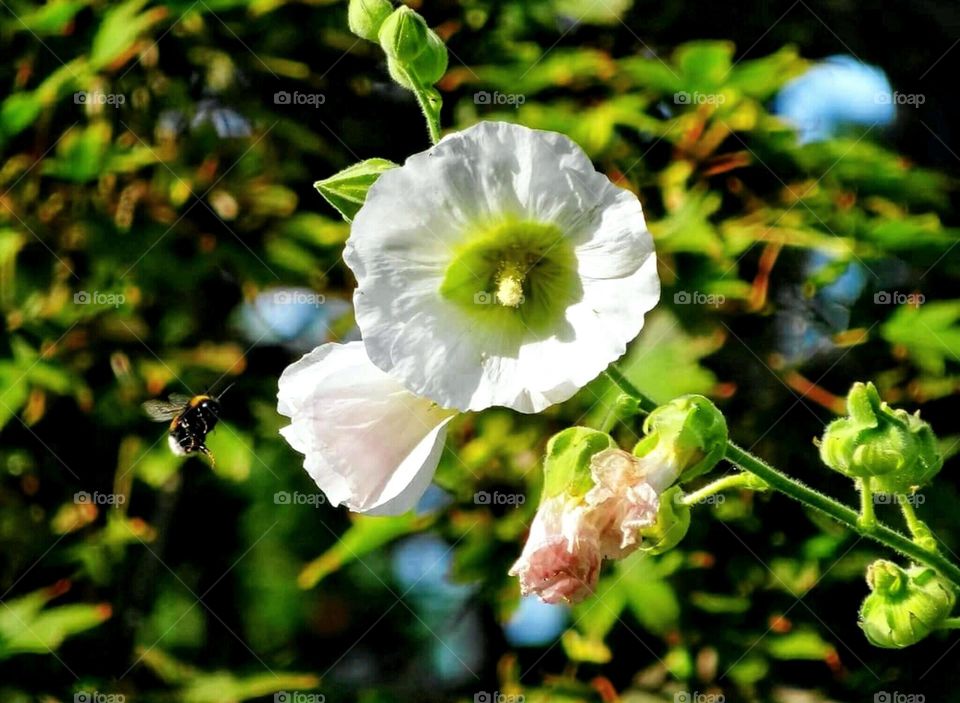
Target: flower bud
point(673, 521)
point(365, 17)
point(904, 605)
point(688, 434)
point(404, 35)
point(431, 64)
point(898, 450)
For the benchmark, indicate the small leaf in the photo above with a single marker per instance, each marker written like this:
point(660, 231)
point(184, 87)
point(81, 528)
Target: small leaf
point(347, 190)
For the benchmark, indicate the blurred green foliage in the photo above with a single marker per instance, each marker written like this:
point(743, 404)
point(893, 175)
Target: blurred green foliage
point(155, 182)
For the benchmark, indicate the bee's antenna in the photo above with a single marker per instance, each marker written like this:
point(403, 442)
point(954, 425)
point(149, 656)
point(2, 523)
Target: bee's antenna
point(224, 391)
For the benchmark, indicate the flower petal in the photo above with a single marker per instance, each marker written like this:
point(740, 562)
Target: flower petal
point(369, 443)
point(417, 216)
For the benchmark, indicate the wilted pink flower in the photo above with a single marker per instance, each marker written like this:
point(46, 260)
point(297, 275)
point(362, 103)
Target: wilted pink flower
point(623, 499)
point(561, 560)
point(570, 536)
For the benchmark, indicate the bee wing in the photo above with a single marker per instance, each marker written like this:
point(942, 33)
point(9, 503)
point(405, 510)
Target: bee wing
point(180, 400)
point(161, 410)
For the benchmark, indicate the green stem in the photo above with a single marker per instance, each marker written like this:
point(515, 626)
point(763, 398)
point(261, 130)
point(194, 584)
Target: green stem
point(867, 518)
point(737, 480)
point(812, 498)
point(428, 99)
point(949, 624)
point(922, 534)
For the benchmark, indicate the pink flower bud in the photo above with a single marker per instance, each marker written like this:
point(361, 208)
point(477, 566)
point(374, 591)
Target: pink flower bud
point(622, 500)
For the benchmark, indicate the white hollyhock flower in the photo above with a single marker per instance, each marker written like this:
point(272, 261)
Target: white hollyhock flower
point(368, 442)
point(500, 268)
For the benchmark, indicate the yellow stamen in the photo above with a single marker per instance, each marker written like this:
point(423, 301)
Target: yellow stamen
point(509, 282)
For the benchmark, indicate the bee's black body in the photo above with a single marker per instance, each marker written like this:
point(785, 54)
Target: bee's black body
point(191, 420)
point(189, 429)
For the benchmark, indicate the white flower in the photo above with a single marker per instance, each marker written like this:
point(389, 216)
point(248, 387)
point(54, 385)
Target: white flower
point(500, 268)
point(368, 442)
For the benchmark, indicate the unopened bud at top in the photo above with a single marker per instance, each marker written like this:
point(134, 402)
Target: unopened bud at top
point(895, 449)
point(904, 605)
point(415, 53)
point(365, 17)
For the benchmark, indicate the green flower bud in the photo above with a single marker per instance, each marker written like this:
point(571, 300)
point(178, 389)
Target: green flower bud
point(898, 450)
point(431, 64)
point(673, 521)
point(365, 17)
point(566, 467)
point(904, 605)
point(688, 432)
point(404, 35)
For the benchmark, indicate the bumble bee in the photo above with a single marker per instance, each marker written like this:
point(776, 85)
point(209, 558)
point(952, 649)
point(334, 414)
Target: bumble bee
point(192, 418)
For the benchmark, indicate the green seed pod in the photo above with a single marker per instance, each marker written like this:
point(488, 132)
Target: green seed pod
point(689, 432)
point(365, 17)
point(904, 605)
point(673, 521)
point(896, 449)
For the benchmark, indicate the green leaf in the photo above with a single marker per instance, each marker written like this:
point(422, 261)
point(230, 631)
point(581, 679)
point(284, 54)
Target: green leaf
point(347, 190)
point(27, 628)
point(930, 333)
point(799, 644)
point(366, 535)
point(120, 29)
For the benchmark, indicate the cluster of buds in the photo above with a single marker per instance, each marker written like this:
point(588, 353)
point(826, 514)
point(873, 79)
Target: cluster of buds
point(416, 55)
point(892, 449)
point(602, 502)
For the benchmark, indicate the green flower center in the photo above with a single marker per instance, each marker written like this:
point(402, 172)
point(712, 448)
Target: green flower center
point(515, 274)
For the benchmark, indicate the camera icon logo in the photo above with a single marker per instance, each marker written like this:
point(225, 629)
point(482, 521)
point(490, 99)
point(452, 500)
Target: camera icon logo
point(482, 298)
point(681, 98)
point(81, 697)
point(482, 98)
point(81, 298)
point(281, 498)
point(81, 498)
point(281, 97)
point(881, 297)
point(681, 298)
point(481, 498)
point(482, 697)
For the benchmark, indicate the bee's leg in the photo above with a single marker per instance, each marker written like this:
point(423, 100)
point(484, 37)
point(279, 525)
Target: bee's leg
point(203, 448)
